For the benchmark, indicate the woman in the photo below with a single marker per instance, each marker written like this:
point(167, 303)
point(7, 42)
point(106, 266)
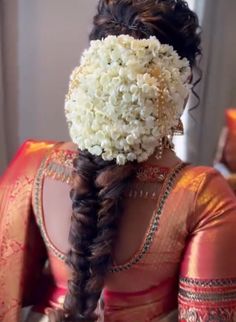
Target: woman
point(150, 237)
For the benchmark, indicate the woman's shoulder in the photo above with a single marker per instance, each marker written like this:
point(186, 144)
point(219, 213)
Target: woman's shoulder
point(33, 150)
point(212, 196)
point(195, 176)
point(212, 188)
point(204, 180)
point(27, 158)
point(201, 174)
point(201, 170)
point(34, 145)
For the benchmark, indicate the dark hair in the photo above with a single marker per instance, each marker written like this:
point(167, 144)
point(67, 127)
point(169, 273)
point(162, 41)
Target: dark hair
point(99, 185)
point(171, 21)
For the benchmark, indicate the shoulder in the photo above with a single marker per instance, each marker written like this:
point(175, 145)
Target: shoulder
point(33, 151)
point(193, 177)
point(205, 176)
point(34, 146)
point(207, 186)
point(28, 158)
point(201, 171)
point(208, 180)
point(213, 196)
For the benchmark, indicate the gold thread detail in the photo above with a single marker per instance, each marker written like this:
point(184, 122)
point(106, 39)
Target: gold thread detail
point(37, 205)
point(206, 297)
point(209, 282)
point(155, 223)
point(37, 198)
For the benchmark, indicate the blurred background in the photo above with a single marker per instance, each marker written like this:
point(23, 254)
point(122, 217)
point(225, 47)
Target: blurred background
point(40, 43)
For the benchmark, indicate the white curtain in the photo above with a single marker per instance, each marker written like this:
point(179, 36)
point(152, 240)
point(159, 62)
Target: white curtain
point(218, 87)
point(3, 156)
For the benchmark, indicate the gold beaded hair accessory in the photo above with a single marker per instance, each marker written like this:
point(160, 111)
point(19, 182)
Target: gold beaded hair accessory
point(125, 97)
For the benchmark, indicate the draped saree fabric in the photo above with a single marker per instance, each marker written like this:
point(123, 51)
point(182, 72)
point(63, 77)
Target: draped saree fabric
point(188, 266)
point(21, 262)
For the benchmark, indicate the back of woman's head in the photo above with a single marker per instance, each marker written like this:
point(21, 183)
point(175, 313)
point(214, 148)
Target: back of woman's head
point(99, 185)
point(171, 21)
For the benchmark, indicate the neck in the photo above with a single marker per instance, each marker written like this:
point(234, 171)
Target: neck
point(169, 159)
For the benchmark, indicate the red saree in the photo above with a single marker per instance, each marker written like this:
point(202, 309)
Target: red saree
point(21, 262)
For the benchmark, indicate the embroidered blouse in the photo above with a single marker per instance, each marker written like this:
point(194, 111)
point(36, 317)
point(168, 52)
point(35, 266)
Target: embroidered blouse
point(187, 253)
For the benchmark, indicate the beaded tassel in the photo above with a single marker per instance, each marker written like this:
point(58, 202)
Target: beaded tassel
point(160, 149)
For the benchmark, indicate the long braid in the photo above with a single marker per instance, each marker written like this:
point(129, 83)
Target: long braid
point(82, 231)
point(112, 182)
point(96, 202)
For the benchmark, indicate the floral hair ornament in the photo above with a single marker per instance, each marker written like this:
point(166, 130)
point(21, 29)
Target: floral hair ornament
point(126, 95)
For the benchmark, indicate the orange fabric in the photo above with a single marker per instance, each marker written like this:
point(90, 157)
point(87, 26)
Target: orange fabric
point(208, 268)
point(191, 252)
point(20, 261)
point(196, 230)
point(231, 119)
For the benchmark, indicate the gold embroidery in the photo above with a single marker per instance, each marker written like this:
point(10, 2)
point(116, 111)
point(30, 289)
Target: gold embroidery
point(39, 215)
point(14, 223)
point(59, 165)
point(37, 204)
point(59, 172)
point(213, 296)
point(208, 283)
point(64, 157)
point(152, 174)
point(198, 300)
point(207, 314)
point(155, 223)
point(141, 194)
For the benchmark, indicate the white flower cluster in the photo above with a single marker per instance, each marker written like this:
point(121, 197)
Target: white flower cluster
point(126, 95)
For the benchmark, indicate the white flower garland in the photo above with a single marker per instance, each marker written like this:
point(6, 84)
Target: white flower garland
point(126, 95)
